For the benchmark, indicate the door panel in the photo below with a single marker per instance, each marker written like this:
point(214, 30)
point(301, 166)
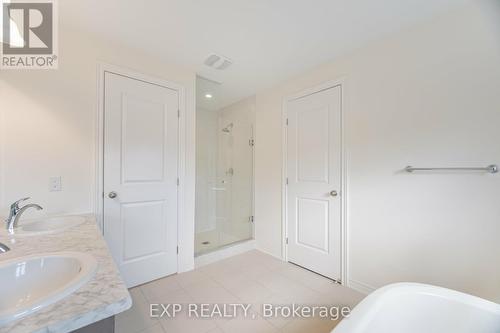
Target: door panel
point(132, 217)
point(312, 223)
point(143, 138)
point(140, 166)
point(314, 171)
point(312, 145)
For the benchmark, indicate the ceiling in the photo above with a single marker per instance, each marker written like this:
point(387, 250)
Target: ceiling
point(267, 40)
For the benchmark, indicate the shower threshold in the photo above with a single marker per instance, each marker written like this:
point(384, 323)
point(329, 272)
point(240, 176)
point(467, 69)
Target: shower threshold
point(223, 252)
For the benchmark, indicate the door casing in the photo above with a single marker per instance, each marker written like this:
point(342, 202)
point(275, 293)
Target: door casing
point(344, 167)
point(102, 68)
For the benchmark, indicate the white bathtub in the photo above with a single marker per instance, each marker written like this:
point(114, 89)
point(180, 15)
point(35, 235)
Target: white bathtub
point(420, 308)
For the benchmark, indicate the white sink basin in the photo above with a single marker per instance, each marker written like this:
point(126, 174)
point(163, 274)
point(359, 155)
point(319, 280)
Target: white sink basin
point(48, 225)
point(30, 283)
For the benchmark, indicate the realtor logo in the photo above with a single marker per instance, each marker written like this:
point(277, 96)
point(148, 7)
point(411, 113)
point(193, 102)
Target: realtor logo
point(29, 39)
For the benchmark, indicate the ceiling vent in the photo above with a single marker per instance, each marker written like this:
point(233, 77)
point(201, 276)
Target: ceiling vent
point(218, 62)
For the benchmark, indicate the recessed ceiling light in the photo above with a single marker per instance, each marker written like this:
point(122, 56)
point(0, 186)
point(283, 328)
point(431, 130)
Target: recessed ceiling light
point(208, 96)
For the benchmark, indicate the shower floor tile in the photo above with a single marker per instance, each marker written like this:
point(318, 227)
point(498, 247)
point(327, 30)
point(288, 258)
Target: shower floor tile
point(208, 241)
point(252, 278)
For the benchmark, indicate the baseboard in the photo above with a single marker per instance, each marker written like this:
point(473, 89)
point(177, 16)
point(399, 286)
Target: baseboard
point(223, 253)
point(270, 254)
point(361, 287)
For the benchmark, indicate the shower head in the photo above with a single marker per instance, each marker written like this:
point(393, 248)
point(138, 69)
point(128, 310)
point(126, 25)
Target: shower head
point(228, 128)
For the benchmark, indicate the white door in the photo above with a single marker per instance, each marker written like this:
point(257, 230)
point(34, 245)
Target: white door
point(140, 177)
point(314, 182)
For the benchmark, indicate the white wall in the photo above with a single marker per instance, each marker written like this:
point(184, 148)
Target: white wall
point(48, 128)
point(428, 96)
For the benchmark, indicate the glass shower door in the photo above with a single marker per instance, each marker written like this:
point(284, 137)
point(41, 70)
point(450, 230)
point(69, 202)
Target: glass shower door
point(224, 182)
point(235, 175)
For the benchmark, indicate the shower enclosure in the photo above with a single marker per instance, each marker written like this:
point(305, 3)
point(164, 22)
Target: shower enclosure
point(224, 176)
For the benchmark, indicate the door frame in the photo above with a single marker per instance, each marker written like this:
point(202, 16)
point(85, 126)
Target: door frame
point(344, 269)
point(102, 69)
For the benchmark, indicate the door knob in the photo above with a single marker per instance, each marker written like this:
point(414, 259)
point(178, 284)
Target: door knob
point(333, 193)
point(112, 195)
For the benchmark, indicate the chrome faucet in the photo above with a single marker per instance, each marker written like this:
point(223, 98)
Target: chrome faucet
point(16, 212)
point(4, 248)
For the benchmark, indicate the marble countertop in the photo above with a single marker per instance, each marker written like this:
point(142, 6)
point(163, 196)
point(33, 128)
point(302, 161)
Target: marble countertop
point(103, 296)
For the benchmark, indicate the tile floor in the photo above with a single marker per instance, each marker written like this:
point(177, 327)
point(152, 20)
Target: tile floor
point(250, 278)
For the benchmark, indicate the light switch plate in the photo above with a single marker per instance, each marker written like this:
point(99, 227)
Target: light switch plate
point(55, 184)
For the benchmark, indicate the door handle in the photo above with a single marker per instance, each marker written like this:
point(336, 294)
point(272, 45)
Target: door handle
point(112, 195)
point(333, 193)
